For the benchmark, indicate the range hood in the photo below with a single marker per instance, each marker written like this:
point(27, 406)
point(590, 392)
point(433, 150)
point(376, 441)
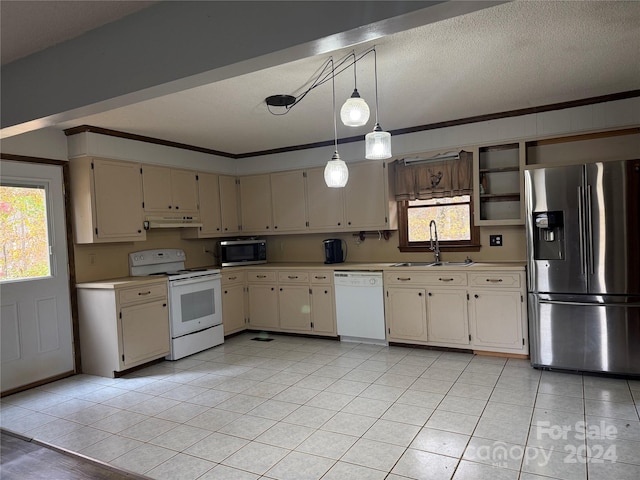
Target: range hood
point(171, 221)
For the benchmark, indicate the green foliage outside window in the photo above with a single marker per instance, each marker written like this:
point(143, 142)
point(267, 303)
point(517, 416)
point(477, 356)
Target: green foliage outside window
point(23, 233)
point(452, 216)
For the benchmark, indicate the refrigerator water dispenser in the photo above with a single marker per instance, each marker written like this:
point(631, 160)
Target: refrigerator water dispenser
point(548, 241)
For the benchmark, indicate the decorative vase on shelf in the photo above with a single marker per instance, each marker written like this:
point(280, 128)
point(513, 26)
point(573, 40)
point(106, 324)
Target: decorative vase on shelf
point(483, 185)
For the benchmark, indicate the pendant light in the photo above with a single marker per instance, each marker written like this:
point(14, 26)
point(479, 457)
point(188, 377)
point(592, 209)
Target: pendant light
point(355, 111)
point(378, 142)
point(336, 172)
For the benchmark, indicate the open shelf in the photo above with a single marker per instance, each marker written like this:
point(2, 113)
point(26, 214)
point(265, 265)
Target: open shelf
point(499, 183)
point(500, 197)
point(500, 169)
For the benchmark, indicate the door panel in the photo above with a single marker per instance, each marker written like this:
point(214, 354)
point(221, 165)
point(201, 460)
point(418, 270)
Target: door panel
point(586, 333)
point(556, 189)
point(613, 193)
point(37, 339)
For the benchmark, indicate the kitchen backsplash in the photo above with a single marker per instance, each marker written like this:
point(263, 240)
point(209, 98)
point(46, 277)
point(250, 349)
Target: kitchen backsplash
point(102, 261)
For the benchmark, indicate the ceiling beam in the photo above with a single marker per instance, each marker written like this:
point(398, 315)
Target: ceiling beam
point(174, 46)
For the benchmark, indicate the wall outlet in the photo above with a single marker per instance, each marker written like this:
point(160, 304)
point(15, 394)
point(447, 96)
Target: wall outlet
point(92, 259)
point(495, 240)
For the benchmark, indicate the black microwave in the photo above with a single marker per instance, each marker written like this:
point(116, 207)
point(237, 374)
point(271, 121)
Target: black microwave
point(242, 252)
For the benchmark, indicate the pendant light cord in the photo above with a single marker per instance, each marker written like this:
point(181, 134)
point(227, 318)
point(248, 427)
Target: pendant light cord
point(355, 69)
point(375, 78)
point(335, 123)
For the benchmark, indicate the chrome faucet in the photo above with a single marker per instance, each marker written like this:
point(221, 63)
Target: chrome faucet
point(433, 232)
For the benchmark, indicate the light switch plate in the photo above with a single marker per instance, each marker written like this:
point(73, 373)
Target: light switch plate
point(495, 240)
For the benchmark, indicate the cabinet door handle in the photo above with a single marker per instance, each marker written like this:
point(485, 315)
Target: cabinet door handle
point(404, 279)
point(232, 278)
point(319, 278)
point(446, 279)
point(420, 294)
point(494, 280)
point(430, 294)
point(144, 293)
point(164, 304)
point(261, 276)
point(292, 277)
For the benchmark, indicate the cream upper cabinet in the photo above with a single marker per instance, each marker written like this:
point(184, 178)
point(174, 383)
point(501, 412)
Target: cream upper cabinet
point(170, 190)
point(255, 203)
point(229, 209)
point(210, 218)
point(288, 201)
point(406, 313)
point(447, 317)
point(367, 201)
point(106, 200)
point(325, 210)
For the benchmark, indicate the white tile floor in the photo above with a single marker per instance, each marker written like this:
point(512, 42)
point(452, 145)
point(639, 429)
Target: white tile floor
point(302, 408)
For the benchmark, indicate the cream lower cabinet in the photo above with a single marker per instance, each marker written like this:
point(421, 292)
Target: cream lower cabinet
point(483, 311)
point(406, 314)
point(294, 300)
point(122, 325)
point(447, 317)
point(262, 294)
point(323, 304)
point(234, 309)
point(498, 312)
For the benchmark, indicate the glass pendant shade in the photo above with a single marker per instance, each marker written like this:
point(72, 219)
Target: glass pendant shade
point(336, 172)
point(377, 144)
point(355, 111)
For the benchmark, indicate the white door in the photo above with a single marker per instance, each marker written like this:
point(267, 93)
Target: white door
point(37, 339)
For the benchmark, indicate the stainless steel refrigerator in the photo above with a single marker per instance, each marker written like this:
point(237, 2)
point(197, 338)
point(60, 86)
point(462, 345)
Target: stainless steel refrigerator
point(583, 248)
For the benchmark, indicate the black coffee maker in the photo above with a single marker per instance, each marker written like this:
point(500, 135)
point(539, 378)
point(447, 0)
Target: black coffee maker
point(333, 250)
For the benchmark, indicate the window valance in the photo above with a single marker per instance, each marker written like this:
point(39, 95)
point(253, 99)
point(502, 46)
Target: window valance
point(434, 178)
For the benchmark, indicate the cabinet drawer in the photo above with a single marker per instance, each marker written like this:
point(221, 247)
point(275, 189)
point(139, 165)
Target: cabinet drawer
point(423, 278)
point(262, 276)
point(229, 278)
point(497, 279)
point(321, 277)
point(142, 292)
point(293, 277)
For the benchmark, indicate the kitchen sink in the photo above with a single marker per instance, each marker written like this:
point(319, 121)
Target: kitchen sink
point(432, 264)
point(413, 264)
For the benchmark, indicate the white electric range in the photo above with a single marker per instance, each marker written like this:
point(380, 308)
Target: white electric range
point(195, 301)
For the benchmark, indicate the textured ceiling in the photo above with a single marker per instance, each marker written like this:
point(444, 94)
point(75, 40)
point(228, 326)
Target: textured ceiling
point(511, 56)
point(31, 26)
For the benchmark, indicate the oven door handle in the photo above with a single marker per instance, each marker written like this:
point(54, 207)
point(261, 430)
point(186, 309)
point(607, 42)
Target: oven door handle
point(189, 281)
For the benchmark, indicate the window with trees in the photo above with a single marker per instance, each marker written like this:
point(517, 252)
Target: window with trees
point(441, 191)
point(24, 234)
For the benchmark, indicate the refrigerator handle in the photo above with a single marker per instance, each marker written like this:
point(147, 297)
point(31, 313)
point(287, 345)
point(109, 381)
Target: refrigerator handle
point(589, 235)
point(582, 233)
point(590, 304)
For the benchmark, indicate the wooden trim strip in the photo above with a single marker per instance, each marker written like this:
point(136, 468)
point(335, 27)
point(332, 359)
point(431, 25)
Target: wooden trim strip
point(44, 381)
point(23, 158)
point(401, 131)
point(142, 138)
point(585, 136)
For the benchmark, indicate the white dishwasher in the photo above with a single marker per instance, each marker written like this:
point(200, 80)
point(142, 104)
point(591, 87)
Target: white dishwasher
point(360, 306)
